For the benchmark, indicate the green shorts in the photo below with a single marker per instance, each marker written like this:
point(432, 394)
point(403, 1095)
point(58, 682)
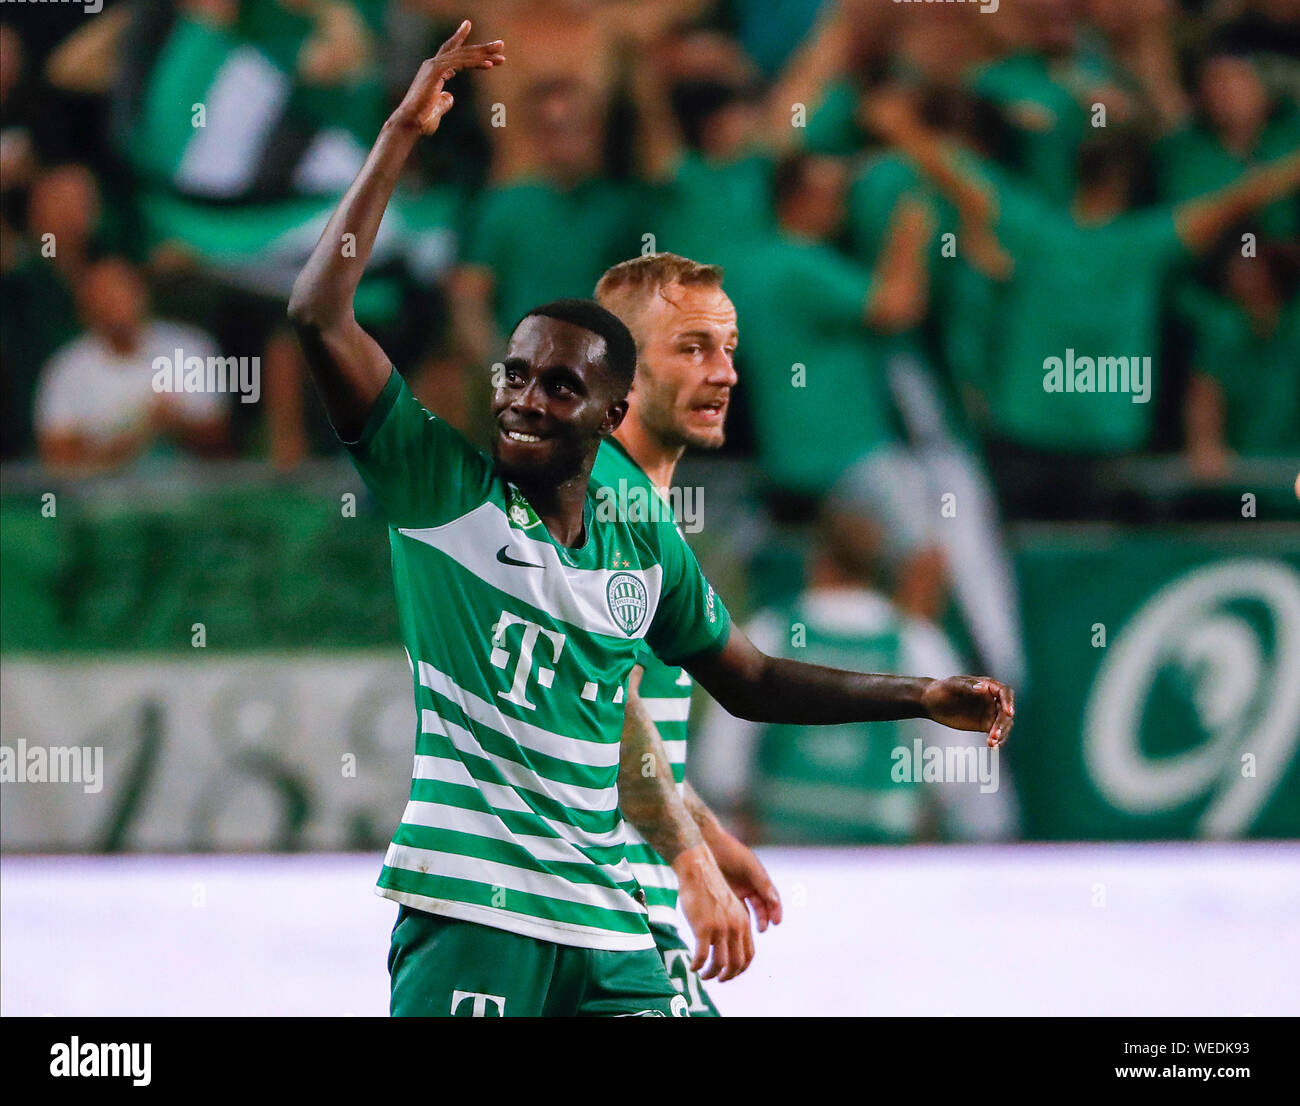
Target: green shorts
point(442, 967)
point(677, 956)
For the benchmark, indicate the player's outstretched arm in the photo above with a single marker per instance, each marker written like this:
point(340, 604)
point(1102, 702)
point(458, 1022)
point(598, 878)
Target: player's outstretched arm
point(649, 800)
point(348, 366)
point(759, 688)
point(1200, 222)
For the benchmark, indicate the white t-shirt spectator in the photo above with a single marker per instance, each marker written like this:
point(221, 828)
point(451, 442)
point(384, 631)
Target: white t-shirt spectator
point(88, 389)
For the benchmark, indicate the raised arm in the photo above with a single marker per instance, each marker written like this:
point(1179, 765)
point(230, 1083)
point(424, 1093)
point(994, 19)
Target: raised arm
point(659, 140)
point(649, 799)
point(1202, 221)
point(1154, 61)
point(892, 117)
point(902, 273)
point(760, 688)
point(822, 57)
point(348, 366)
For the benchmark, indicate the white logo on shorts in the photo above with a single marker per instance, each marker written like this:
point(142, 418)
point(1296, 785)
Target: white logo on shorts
point(480, 1006)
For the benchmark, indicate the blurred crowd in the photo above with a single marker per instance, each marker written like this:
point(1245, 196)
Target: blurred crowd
point(917, 206)
point(920, 207)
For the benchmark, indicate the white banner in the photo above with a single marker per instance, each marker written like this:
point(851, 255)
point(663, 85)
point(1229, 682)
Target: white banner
point(231, 753)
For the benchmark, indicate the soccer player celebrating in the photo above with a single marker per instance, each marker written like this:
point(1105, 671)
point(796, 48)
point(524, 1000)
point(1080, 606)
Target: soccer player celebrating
point(684, 326)
point(523, 615)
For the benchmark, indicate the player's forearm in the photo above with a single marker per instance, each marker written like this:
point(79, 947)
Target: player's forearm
point(324, 290)
point(810, 694)
point(346, 364)
point(647, 793)
point(710, 828)
point(659, 142)
point(902, 270)
point(817, 62)
point(776, 690)
point(938, 160)
point(1201, 222)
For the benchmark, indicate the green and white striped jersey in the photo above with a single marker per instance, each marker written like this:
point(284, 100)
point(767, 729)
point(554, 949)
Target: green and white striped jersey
point(521, 650)
point(665, 691)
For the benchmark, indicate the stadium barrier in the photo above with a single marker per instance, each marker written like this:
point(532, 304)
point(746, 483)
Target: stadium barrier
point(232, 659)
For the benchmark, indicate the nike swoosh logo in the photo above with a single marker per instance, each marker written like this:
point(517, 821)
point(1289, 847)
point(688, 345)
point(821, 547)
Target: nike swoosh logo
point(506, 559)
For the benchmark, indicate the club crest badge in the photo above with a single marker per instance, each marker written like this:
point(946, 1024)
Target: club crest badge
point(626, 596)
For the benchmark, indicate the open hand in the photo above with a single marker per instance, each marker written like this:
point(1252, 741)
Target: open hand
point(716, 916)
point(747, 878)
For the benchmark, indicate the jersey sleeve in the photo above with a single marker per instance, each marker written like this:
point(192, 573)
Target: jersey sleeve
point(691, 619)
point(421, 471)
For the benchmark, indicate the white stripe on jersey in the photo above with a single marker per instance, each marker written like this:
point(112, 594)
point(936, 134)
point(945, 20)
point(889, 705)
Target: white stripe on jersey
point(498, 874)
point(518, 775)
point(596, 754)
point(668, 710)
point(577, 596)
point(448, 817)
point(450, 770)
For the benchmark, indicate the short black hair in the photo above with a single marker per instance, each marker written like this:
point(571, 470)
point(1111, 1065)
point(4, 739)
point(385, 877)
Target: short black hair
point(620, 347)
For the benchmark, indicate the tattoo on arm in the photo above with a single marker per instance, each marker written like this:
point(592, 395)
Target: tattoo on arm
point(647, 793)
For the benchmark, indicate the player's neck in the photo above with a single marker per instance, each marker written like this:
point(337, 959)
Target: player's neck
point(560, 506)
point(657, 459)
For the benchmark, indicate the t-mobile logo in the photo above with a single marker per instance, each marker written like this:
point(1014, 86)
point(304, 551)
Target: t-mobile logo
point(518, 691)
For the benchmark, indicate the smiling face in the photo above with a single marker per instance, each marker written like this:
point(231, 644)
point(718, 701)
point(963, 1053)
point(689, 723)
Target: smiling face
point(553, 401)
point(686, 339)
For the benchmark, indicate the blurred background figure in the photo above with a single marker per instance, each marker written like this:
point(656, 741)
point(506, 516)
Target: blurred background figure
point(853, 784)
point(97, 408)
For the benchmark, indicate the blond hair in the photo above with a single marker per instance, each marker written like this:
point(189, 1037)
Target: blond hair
point(626, 288)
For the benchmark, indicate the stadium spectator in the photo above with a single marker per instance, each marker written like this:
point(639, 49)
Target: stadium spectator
point(942, 457)
point(550, 233)
point(1082, 281)
point(818, 393)
point(96, 407)
point(627, 120)
point(1035, 83)
point(1244, 397)
point(1238, 124)
point(17, 150)
point(841, 784)
point(38, 273)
